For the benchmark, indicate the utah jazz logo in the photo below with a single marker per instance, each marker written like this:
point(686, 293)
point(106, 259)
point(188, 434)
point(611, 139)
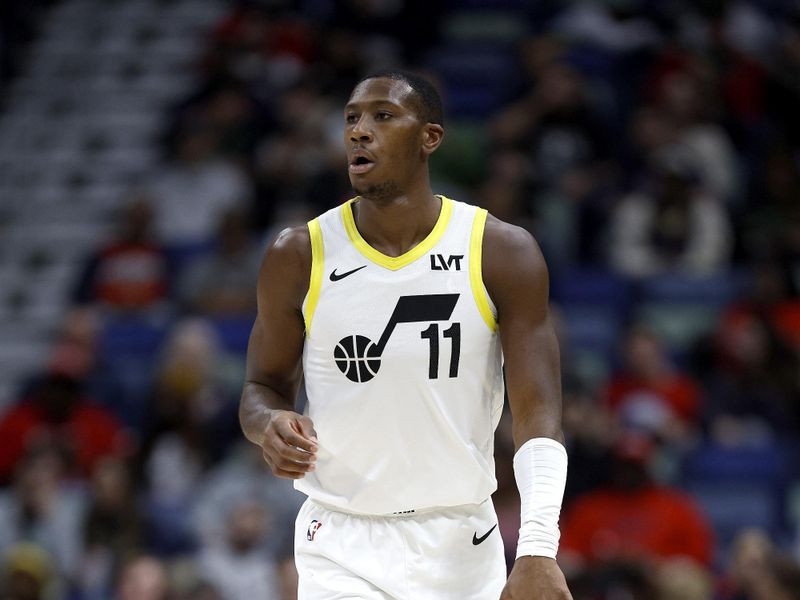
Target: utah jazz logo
point(359, 358)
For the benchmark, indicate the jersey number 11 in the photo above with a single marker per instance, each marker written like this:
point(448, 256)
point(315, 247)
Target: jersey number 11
point(432, 335)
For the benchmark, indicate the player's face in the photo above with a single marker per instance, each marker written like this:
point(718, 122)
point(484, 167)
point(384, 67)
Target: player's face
point(383, 137)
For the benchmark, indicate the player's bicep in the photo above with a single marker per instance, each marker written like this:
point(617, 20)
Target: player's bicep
point(276, 341)
point(517, 277)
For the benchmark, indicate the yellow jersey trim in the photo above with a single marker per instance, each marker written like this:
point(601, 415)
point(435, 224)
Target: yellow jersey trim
point(317, 265)
point(396, 262)
point(476, 269)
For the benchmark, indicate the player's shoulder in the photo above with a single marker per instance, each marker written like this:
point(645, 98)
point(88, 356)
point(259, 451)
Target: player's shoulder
point(291, 241)
point(287, 258)
point(509, 245)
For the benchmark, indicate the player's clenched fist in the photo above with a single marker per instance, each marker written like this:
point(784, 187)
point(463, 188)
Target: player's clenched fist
point(289, 444)
point(536, 578)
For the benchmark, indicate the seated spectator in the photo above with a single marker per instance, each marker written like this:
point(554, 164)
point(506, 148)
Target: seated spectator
point(44, 508)
point(673, 227)
point(223, 283)
point(239, 566)
point(243, 475)
point(770, 298)
point(753, 389)
point(143, 578)
point(632, 519)
point(301, 162)
point(588, 435)
point(684, 579)
point(26, 573)
point(685, 92)
point(57, 410)
point(554, 125)
point(759, 571)
point(650, 394)
point(192, 421)
point(113, 527)
point(195, 189)
point(770, 222)
point(131, 272)
point(264, 44)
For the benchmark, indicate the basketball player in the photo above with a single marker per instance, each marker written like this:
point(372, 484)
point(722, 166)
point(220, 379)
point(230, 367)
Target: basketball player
point(400, 307)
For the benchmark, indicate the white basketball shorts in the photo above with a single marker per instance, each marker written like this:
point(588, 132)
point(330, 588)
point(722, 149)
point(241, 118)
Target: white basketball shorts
point(444, 554)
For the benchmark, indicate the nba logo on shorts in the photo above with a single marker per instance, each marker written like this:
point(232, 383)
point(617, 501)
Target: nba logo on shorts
point(312, 530)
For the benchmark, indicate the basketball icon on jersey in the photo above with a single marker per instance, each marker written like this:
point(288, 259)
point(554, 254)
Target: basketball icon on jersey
point(359, 358)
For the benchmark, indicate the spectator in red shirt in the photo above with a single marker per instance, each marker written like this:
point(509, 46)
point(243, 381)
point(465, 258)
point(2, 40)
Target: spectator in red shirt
point(633, 519)
point(57, 411)
point(131, 272)
point(649, 393)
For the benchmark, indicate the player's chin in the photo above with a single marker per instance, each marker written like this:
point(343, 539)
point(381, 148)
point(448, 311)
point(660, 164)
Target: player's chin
point(359, 185)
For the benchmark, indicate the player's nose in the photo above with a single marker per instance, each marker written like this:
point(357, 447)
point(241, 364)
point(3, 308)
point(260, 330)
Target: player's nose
point(361, 130)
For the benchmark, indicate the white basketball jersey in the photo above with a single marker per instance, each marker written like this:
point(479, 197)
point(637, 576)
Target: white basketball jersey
point(403, 367)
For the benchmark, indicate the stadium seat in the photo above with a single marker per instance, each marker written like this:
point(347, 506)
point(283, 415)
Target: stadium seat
point(594, 328)
point(133, 335)
point(678, 325)
point(592, 287)
point(715, 290)
point(738, 487)
point(234, 333)
point(477, 26)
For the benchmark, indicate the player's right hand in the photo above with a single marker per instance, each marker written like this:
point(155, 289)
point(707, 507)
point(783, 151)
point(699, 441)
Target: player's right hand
point(289, 444)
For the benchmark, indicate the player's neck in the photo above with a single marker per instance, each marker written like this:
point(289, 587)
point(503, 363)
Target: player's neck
point(394, 226)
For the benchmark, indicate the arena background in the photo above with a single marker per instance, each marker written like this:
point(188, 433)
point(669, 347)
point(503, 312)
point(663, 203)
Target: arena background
point(150, 149)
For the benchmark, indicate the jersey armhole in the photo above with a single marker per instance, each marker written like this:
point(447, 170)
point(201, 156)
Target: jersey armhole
point(317, 265)
point(482, 300)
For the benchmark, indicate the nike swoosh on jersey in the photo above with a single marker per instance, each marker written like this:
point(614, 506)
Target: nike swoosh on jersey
point(335, 277)
point(479, 540)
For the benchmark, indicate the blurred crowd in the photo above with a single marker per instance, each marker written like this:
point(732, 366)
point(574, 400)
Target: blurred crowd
point(651, 148)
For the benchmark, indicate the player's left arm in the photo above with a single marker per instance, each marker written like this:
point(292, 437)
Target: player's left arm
point(515, 275)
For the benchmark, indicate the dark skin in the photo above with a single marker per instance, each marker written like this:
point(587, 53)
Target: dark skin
point(397, 210)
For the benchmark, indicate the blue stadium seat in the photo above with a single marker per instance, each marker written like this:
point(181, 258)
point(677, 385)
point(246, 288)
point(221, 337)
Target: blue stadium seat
point(592, 335)
point(717, 290)
point(679, 325)
point(129, 347)
point(733, 506)
point(739, 487)
point(234, 333)
point(486, 65)
point(477, 78)
point(592, 287)
point(765, 462)
point(132, 379)
point(595, 328)
point(137, 335)
point(520, 5)
point(181, 256)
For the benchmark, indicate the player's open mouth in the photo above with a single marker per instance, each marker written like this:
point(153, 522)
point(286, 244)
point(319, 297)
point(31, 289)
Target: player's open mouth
point(360, 164)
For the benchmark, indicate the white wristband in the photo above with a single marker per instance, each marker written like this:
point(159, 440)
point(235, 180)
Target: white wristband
point(540, 468)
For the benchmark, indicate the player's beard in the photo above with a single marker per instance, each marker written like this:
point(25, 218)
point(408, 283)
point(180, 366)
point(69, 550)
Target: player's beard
point(379, 192)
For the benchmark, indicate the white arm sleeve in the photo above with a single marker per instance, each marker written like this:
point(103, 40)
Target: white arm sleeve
point(540, 468)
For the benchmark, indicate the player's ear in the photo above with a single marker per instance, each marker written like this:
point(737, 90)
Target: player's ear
point(432, 136)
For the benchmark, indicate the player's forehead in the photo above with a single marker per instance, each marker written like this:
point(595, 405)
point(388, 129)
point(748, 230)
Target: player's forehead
point(381, 90)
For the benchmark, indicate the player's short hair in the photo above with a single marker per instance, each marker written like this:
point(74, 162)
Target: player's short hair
point(428, 102)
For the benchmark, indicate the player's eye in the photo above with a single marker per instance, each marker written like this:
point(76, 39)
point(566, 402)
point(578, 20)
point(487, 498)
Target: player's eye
point(350, 118)
point(382, 116)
